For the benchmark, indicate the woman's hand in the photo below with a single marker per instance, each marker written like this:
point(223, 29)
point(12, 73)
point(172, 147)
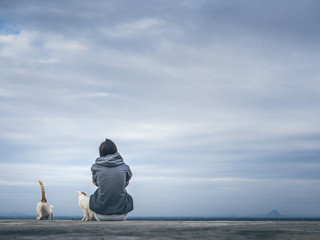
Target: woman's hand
point(94, 182)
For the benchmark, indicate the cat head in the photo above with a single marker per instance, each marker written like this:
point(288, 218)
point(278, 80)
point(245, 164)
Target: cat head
point(81, 193)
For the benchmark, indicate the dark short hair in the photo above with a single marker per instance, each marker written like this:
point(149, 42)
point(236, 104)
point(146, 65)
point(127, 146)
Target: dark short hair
point(107, 147)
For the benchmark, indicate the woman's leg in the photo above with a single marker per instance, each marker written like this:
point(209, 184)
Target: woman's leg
point(100, 217)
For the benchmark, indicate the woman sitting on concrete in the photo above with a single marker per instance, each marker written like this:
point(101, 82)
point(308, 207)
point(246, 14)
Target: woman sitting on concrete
point(111, 175)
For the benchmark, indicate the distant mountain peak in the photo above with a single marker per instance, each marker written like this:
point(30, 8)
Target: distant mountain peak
point(274, 214)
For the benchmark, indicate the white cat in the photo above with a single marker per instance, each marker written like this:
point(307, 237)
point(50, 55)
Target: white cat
point(88, 215)
point(44, 209)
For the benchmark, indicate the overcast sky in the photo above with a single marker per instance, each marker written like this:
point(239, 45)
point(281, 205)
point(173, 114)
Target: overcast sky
point(213, 104)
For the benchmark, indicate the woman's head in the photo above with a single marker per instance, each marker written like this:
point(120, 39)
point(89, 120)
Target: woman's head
point(107, 147)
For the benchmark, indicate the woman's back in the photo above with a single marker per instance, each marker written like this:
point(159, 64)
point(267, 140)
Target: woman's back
point(111, 174)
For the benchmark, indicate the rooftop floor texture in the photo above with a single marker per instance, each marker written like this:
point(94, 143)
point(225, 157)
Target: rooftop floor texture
point(71, 229)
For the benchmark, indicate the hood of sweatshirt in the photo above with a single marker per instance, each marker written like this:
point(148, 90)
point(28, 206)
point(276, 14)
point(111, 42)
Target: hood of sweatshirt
point(112, 160)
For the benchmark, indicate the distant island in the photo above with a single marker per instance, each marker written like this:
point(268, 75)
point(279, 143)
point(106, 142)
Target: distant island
point(274, 214)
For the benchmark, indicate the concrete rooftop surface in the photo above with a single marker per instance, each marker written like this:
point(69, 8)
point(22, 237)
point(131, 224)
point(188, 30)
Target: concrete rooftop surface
point(71, 229)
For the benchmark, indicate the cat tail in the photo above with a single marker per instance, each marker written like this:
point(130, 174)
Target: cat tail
point(43, 194)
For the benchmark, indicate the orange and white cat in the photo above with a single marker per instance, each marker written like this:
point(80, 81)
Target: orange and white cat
point(88, 214)
point(44, 209)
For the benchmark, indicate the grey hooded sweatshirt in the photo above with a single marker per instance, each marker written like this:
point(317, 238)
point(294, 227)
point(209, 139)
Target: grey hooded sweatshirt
point(110, 174)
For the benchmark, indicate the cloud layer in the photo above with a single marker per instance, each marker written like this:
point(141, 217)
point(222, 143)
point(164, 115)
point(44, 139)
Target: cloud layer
point(213, 104)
